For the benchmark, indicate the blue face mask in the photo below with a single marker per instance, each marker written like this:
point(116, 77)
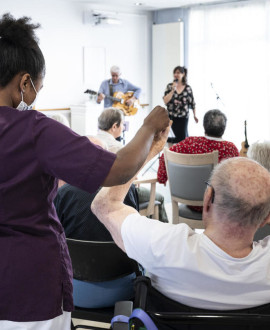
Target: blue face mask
point(22, 105)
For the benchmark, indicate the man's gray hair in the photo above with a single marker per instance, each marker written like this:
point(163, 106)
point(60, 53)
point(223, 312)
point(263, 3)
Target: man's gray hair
point(214, 123)
point(115, 69)
point(260, 151)
point(231, 195)
point(108, 117)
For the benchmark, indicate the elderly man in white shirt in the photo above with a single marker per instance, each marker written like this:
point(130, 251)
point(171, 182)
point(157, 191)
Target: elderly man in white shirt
point(220, 269)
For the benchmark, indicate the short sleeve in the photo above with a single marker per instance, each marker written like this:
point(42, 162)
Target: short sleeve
point(66, 155)
point(148, 241)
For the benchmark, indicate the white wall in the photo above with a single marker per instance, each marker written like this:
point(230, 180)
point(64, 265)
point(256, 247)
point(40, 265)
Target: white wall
point(62, 38)
point(168, 52)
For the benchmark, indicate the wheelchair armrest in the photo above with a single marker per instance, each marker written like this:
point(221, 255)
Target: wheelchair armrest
point(122, 308)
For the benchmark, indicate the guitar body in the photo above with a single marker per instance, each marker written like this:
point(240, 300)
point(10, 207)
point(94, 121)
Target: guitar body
point(128, 110)
point(244, 150)
point(119, 102)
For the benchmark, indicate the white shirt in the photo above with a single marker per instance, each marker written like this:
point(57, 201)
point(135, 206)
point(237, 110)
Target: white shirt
point(189, 268)
point(111, 144)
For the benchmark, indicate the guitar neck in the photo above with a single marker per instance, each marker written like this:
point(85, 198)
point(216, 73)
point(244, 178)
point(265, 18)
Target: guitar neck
point(115, 99)
point(246, 141)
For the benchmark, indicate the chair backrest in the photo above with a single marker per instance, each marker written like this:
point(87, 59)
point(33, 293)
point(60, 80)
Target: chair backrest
point(99, 261)
point(187, 174)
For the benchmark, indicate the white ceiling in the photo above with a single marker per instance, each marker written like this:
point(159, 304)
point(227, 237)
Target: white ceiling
point(147, 5)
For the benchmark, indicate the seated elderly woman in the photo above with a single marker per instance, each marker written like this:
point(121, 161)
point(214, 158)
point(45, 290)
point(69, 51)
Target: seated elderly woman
point(111, 124)
point(214, 123)
point(260, 151)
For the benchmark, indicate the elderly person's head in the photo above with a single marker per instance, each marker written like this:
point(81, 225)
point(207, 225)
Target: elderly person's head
point(115, 73)
point(239, 195)
point(260, 151)
point(214, 123)
point(111, 120)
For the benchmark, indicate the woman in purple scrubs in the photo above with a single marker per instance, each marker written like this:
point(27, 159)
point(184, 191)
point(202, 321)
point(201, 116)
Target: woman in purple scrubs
point(35, 272)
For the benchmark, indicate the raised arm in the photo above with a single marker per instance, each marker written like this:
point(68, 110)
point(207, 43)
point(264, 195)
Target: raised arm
point(131, 158)
point(108, 204)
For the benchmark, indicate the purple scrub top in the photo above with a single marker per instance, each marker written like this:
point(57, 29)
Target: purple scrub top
point(35, 267)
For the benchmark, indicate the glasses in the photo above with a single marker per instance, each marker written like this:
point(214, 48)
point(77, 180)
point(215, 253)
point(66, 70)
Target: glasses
point(213, 191)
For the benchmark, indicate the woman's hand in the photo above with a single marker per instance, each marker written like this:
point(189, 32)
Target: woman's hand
point(196, 119)
point(174, 85)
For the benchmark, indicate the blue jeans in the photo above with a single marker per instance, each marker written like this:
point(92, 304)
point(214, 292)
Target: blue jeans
point(102, 294)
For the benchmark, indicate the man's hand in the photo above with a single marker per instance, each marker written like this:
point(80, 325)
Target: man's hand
point(159, 142)
point(130, 101)
point(158, 120)
point(100, 97)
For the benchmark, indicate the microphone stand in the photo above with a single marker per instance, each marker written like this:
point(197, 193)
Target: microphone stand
point(217, 96)
point(152, 164)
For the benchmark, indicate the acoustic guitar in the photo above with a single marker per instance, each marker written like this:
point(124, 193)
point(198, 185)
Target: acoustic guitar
point(244, 144)
point(119, 101)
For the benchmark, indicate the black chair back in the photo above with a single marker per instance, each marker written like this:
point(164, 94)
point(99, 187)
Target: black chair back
point(99, 261)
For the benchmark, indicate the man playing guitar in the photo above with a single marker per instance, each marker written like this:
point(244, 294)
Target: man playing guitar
point(116, 84)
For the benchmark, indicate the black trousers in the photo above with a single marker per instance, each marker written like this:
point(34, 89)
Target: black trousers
point(180, 129)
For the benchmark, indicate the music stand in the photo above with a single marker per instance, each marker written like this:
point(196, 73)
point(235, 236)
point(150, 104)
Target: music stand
point(126, 129)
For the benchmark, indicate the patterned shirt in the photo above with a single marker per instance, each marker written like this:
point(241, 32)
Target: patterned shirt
point(198, 145)
point(179, 104)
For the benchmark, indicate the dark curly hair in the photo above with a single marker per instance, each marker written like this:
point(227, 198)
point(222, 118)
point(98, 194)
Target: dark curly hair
point(184, 70)
point(19, 50)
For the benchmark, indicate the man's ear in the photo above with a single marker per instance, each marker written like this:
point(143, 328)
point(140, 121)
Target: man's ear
point(114, 126)
point(266, 221)
point(207, 200)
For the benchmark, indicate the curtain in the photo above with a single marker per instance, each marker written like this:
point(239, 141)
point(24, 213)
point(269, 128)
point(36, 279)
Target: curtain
point(228, 62)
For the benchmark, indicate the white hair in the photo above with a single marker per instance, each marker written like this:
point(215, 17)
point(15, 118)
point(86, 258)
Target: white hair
point(231, 198)
point(108, 117)
point(260, 151)
point(115, 69)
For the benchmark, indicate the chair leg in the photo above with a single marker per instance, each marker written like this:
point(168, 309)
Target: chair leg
point(175, 212)
point(156, 213)
point(72, 325)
